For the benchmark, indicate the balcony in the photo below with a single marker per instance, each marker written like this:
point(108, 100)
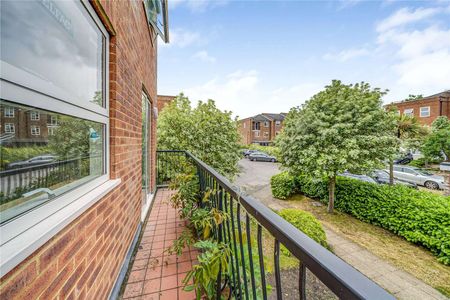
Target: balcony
point(258, 239)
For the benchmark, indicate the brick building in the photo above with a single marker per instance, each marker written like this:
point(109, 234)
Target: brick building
point(96, 72)
point(427, 109)
point(163, 101)
point(261, 129)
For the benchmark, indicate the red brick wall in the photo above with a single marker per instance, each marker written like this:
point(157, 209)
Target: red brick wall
point(163, 101)
point(433, 103)
point(83, 260)
point(245, 132)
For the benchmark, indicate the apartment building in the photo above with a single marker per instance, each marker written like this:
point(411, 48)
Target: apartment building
point(261, 129)
point(83, 73)
point(426, 109)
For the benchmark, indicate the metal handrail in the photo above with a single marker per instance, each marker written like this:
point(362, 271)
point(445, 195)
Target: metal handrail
point(341, 278)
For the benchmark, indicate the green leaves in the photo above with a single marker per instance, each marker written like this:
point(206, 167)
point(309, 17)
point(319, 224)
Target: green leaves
point(341, 128)
point(205, 131)
point(282, 185)
point(438, 141)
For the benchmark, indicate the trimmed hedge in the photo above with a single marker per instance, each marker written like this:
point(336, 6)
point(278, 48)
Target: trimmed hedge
point(305, 222)
point(282, 185)
point(420, 217)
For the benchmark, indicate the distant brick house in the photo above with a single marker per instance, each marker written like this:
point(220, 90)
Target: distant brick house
point(96, 69)
point(261, 129)
point(163, 101)
point(427, 109)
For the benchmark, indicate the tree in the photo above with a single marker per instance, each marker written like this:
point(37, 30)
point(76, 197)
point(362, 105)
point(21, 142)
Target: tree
point(438, 142)
point(412, 97)
point(341, 128)
point(407, 129)
point(205, 131)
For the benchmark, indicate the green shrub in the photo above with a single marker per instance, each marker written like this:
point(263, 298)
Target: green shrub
point(421, 162)
point(420, 217)
point(305, 222)
point(12, 154)
point(282, 185)
point(312, 187)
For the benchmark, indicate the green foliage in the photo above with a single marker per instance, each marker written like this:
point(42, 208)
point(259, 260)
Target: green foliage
point(438, 142)
point(12, 154)
point(305, 222)
point(414, 97)
point(316, 188)
point(282, 185)
point(207, 132)
point(271, 150)
point(343, 127)
point(213, 258)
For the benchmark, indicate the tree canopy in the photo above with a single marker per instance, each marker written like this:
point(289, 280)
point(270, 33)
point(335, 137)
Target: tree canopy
point(438, 141)
point(207, 132)
point(341, 128)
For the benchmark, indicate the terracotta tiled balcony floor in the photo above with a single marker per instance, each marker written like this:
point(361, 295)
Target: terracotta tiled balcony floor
point(155, 274)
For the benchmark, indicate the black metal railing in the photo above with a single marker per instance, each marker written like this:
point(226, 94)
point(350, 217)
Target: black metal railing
point(257, 235)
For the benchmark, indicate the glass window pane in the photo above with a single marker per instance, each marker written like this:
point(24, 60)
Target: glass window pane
point(57, 44)
point(36, 168)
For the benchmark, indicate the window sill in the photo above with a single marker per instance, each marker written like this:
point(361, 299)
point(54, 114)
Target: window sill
point(17, 249)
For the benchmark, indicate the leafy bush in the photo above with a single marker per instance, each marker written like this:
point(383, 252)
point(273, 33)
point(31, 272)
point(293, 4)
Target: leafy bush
point(421, 162)
point(420, 217)
point(316, 188)
point(282, 185)
point(305, 222)
point(12, 154)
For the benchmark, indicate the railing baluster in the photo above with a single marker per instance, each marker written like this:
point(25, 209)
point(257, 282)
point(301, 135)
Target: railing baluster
point(261, 263)
point(227, 240)
point(276, 258)
point(244, 266)
point(250, 256)
point(233, 230)
point(302, 281)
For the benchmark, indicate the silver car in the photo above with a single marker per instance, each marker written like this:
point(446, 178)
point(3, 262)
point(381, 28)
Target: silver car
point(419, 177)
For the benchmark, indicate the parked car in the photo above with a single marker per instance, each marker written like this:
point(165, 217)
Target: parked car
point(358, 177)
point(259, 156)
point(34, 161)
point(419, 177)
point(404, 160)
point(247, 152)
point(382, 177)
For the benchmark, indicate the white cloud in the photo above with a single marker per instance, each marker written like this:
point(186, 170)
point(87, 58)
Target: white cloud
point(204, 56)
point(182, 38)
point(346, 55)
point(405, 16)
point(197, 6)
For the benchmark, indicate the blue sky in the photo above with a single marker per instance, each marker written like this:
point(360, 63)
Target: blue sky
point(268, 56)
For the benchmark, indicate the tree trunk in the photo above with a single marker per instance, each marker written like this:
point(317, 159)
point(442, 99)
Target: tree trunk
point(331, 190)
point(391, 172)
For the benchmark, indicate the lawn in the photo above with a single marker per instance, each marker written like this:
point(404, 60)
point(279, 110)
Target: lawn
point(411, 258)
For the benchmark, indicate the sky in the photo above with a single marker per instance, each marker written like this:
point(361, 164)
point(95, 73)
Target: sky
point(269, 56)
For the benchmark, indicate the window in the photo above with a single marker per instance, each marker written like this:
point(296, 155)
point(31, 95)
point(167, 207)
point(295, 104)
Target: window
point(277, 132)
point(9, 128)
point(266, 134)
point(146, 149)
point(9, 112)
point(66, 78)
point(256, 126)
point(51, 130)
point(409, 112)
point(35, 130)
point(34, 115)
point(256, 133)
point(157, 17)
point(245, 125)
point(278, 123)
point(53, 120)
point(266, 124)
point(409, 171)
point(424, 111)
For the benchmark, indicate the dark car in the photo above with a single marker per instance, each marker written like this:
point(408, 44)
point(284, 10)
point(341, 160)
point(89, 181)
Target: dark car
point(34, 161)
point(259, 156)
point(404, 160)
point(248, 152)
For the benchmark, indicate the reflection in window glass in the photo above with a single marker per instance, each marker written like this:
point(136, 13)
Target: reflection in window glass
point(37, 168)
point(57, 44)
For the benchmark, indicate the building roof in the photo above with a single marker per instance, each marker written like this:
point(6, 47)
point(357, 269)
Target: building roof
point(276, 117)
point(267, 117)
point(261, 118)
point(444, 94)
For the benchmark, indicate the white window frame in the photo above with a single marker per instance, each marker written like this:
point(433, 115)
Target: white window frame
point(21, 236)
point(266, 134)
point(8, 112)
point(245, 125)
point(35, 130)
point(278, 123)
point(35, 115)
point(256, 133)
point(266, 124)
point(428, 112)
point(10, 126)
point(53, 120)
point(408, 112)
